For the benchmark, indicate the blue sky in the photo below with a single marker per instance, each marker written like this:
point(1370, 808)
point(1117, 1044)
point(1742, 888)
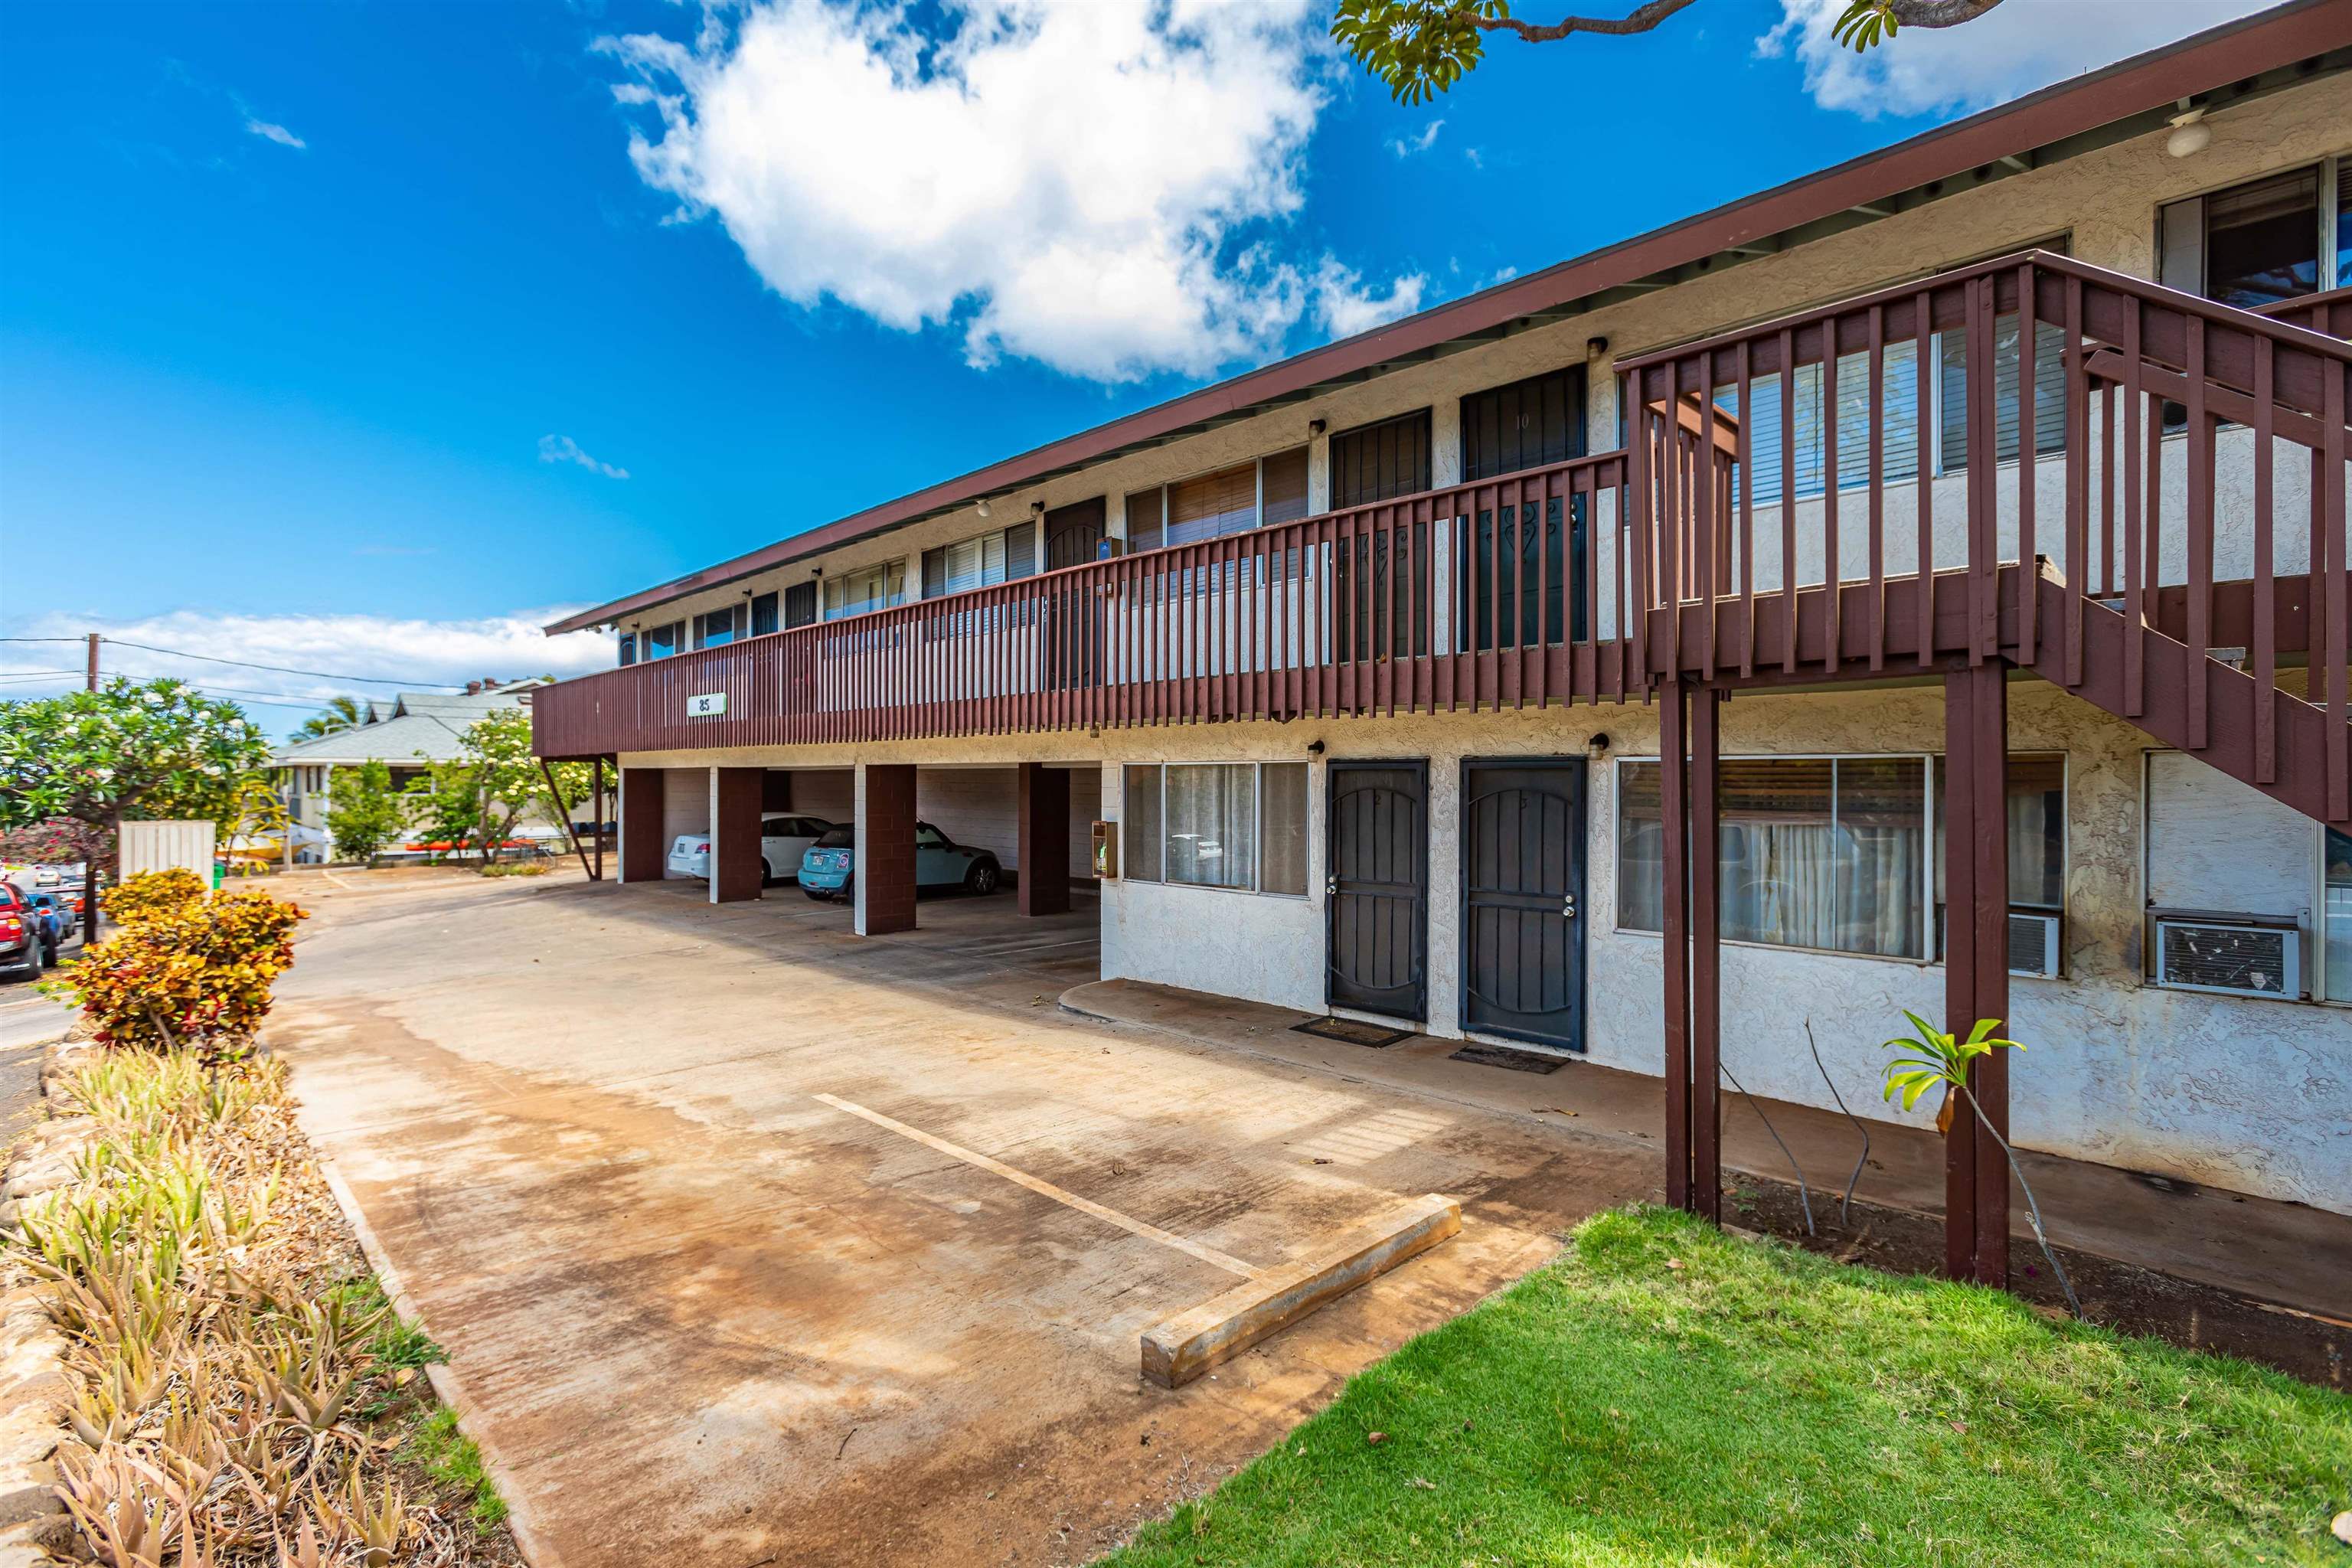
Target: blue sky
point(354, 336)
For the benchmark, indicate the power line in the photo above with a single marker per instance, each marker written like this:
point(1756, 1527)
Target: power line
point(260, 699)
point(247, 664)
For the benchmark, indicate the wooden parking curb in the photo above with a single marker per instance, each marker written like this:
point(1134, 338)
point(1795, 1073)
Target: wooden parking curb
point(1190, 1343)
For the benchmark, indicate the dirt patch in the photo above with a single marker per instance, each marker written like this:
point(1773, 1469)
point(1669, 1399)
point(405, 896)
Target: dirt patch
point(2121, 1295)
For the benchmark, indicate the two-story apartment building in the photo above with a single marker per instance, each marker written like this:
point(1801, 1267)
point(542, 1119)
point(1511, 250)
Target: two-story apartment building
point(1410, 676)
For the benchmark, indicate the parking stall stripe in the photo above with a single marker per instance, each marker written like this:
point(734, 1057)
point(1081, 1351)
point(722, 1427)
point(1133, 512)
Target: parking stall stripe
point(1047, 1189)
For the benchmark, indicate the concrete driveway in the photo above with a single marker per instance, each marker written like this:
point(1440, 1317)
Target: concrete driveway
point(706, 1316)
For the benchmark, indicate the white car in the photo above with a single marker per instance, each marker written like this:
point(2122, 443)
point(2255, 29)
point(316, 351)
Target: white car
point(783, 841)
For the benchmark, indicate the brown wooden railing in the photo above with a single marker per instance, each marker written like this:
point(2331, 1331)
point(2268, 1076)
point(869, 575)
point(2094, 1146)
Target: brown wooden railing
point(2330, 312)
point(1491, 594)
point(2190, 444)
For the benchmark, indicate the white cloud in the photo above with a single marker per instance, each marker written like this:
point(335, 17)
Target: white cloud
point(1406, 146)
point(565, 449)
point(272, 132)
point(2008, 51)
point(1091, 184)
point(418, 653)
point(1345, 306)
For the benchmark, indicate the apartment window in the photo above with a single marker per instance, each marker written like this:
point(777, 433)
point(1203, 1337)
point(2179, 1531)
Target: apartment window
point(717, 628)
point(2266, 240)
point(1256, 494)
point(1379, 462)
point(660, 642)
point(763, 615)
point(867, 588)
point(1838, 854)
point(628, 648)
point(800, 605)
point(975, 562)
point(1239, 826)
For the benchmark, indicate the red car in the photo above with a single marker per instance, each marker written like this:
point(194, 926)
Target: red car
point(25, 950)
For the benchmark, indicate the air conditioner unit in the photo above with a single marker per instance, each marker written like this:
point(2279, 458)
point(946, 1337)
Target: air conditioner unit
point(2034, 944)
point(2236, 955)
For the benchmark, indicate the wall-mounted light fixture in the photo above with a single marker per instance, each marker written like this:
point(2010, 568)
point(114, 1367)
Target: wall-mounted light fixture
point(2191, 135)
point(1596, 348)
point(1597, 744)
point(1315, 428)
point(1314, 748)
point(984, 506)
point(1036, 510)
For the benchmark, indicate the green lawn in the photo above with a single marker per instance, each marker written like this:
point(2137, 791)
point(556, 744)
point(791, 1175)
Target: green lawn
point(1667, 1394)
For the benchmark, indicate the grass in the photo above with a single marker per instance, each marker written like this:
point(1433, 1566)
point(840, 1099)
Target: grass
point(1666, 1395)
point(450, 1458)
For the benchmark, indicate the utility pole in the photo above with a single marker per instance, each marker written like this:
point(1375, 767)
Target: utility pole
point(89, 856)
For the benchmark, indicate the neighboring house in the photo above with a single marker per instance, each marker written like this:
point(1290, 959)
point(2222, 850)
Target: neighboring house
point(1340, 648)
point(406, 732)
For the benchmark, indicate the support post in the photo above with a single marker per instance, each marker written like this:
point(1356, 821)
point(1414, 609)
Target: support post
point(596, 872)
point(1976, 962)
point(735, 835)
point(1707, 954)
point(1045, 880)
point(642, 850)
point(884, 889)
point(555, 797)
point(1674, 801)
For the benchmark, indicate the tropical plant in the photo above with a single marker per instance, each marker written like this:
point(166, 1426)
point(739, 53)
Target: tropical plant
point(256, 813)
point(1942, 1059)
point(1421, 48)
point(198, 975)
point(339, 714)
point(364, 812)
point(152, 895)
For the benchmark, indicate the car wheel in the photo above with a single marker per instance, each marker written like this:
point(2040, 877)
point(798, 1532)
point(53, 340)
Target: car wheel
point(816, 895)
point(847, 891)
point(983, 877)
point(767, 873)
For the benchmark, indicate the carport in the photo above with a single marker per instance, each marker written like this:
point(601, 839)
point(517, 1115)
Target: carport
point(1034, 817)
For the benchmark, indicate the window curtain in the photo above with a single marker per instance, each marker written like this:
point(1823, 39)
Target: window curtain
point(1211, 830)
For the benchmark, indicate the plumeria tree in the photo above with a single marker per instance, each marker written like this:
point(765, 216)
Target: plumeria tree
point(129, 750)
point(476, 800)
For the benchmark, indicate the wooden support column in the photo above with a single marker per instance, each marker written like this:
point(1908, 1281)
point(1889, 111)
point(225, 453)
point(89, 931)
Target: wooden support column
point(735, 835)
point(642, 852)
point(1707, 954)
point(1045, 880)
point(1976, 962)
point(776, 793)
point(1674, 792)
point(885, 887)
point(597, 795)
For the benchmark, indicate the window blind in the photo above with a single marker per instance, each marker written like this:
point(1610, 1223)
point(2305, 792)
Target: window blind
point(1212, 504)
point(2049, 392)
point(1285, 488)
point(1899, 424)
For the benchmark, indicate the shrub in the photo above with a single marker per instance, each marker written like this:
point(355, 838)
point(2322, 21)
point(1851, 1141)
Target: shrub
point(152, 893)
point(198, 975)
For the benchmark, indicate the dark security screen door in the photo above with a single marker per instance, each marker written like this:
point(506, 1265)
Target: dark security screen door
point(1378, 888)
point(1522, 888)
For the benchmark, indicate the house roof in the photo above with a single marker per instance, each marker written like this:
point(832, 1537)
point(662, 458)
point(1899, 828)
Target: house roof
point(415, 725)
point(2258, 54)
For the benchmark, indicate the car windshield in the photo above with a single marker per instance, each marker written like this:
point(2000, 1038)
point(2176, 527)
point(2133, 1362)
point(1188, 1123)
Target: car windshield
point(838, 838)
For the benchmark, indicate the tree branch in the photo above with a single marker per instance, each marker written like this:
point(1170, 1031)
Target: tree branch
point(1641, 20)
point(1937, 13)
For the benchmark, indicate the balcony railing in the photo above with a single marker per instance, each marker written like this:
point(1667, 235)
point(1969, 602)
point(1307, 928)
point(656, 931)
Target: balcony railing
point(1483, 594)
point(2140, 450)
point(2162, 447)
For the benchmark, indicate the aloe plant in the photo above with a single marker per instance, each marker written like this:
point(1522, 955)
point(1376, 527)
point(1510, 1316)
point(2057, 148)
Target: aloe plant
point(1944, 1059)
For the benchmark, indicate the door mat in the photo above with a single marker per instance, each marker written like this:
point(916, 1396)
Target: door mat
point(1349, 1032)
point(1503, 1057)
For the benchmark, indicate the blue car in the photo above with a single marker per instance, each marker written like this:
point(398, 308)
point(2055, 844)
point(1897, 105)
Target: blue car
point(828, 867)
point(62, 920)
